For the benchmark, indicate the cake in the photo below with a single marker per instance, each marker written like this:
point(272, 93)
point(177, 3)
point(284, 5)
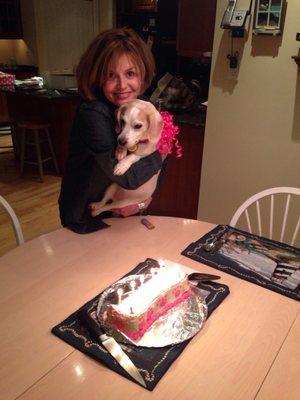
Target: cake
point(148, 300)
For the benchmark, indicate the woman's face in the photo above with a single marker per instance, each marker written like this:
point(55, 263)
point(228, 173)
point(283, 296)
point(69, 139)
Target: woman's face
point(123, 82)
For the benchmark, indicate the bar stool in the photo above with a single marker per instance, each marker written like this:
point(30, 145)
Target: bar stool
point(37, 130)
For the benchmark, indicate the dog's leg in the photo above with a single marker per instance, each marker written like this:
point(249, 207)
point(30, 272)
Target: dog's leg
point(98, 207)
point(124, 164)
point(121, 153)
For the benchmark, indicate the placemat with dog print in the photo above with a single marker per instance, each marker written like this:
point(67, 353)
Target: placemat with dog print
point(152, 363)
point(270, 264)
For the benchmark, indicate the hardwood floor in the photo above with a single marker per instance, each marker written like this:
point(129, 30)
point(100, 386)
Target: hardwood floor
point(34, 203)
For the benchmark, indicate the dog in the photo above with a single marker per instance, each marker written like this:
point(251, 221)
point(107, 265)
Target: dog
point(139, 126)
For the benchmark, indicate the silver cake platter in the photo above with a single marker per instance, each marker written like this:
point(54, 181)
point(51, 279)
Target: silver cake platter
point(177, 325)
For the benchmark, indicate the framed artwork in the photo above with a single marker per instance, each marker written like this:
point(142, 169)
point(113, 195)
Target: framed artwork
point(268, 17)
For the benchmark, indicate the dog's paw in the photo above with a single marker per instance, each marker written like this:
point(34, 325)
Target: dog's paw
point(121, 167)
point(95, 209)
point(120, 153)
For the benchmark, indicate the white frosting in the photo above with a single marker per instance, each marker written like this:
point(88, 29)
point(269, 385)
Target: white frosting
point(140, 298)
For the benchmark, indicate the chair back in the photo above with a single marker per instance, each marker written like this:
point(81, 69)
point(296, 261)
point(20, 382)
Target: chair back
point(254, 216)
point(14, 219)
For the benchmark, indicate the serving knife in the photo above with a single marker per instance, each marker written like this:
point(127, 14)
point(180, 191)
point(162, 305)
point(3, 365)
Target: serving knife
point(111, 345)
point(210, 246)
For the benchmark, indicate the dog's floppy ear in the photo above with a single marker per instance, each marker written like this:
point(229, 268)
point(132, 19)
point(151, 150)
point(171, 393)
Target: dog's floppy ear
point(155, 122)
point(118, 114)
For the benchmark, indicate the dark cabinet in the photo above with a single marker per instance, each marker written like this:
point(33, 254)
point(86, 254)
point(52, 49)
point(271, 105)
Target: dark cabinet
point(195, 30)
point(10, 19)
point(177, 28)
point(178, 193)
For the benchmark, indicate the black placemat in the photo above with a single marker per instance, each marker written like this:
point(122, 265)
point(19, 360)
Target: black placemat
point(151, 362)
point(270, 264)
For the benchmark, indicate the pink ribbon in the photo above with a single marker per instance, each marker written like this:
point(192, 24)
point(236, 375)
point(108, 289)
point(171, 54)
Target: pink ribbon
point(169, 140)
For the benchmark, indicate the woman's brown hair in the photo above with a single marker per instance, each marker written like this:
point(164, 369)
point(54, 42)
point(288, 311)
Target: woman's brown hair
point(92, 68)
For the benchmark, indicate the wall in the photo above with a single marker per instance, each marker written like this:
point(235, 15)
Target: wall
point(64, 29)
point(106, 14)
point(24, 50)
point(252, 136)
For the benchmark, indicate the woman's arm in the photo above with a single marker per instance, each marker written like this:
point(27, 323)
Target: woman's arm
point(97, 131)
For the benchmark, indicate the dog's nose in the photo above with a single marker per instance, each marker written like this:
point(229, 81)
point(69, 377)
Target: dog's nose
point(122, 141)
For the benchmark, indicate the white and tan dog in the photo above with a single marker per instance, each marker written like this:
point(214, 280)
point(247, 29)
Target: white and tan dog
point(139, 126)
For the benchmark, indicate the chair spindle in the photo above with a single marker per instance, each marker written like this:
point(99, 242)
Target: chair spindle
point(287, 206)
point(248, 221)
point(271, 216)
point(258, 216)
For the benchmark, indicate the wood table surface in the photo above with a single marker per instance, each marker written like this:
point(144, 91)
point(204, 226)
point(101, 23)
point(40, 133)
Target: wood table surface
point(249, 347)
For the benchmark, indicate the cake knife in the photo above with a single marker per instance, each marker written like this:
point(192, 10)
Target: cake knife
point(111, 345)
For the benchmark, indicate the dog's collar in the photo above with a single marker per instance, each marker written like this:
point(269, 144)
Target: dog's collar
point(134, 148)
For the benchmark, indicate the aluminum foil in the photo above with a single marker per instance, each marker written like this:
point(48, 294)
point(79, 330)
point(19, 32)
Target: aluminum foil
point(177, 325)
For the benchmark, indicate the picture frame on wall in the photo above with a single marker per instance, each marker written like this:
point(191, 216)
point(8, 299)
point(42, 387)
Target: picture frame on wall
point(268, 17)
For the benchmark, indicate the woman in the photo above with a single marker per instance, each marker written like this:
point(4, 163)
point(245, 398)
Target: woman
point(117, 67)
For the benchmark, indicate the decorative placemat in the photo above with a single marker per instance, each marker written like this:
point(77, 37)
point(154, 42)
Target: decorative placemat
point(270, 264)
point(151, 362)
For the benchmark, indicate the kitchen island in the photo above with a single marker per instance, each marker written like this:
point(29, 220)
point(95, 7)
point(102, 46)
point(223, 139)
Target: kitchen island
point(55, 107)
point(178, 192)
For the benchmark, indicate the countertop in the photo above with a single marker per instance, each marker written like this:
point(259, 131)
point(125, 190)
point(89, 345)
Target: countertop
point(41, 93)
point(193, 118)
point(18, 68)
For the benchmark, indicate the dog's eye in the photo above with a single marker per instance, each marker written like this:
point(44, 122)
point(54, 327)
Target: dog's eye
point(138, 126)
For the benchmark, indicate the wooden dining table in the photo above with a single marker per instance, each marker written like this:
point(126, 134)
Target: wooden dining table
point(249, 348)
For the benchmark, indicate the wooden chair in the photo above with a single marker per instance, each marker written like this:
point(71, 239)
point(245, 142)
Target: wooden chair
point(285, 194)
point(6, 131)
point(14, 219)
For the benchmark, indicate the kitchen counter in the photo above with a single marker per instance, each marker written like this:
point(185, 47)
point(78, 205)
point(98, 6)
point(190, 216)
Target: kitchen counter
point(58, 108)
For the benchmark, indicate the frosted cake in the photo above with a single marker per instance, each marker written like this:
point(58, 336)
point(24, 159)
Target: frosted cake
point(150, 300)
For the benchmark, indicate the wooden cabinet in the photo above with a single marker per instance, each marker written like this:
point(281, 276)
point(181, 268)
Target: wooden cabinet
point(144, 5)
point(131, 6)
point(195, 30)
point(10, 19)
point(178, 193)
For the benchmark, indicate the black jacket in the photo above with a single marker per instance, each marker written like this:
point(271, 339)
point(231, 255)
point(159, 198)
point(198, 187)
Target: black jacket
point(90, 165)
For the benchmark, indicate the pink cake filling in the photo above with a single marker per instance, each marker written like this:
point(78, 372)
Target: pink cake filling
point(152, 316)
